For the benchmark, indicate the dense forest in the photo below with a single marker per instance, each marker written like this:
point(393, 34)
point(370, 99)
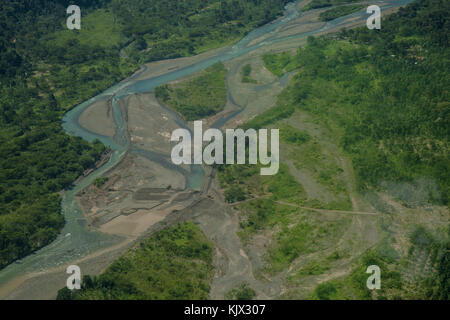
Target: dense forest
point(38, 83)
point(173, 28)
point(173, 264)
point(46, 69)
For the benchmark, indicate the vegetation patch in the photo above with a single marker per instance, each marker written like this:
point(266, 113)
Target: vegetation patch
point(100, 27)
point(293, 136)
point(179, 28)
point(99, 182)
point(317, 4)
point(278, 64)
point(337, 12)
point(313, 268)
point(243, 292)
point(174, 264)
point(197, 98)
point(400, 279)
point(246, 72)
point(242, 182)
point(309, 234)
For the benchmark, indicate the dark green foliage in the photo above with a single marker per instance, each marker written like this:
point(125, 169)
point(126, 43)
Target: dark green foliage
point(243, 292)
point(261, 212)
point(277, 63)
point(246, 71)
point(443, 291)
point(99, 182)
point(325, 290)
point(174, 264)
point(338, 12)
point(294, 136)
point(30, 226)
point(65, 293)
point(244, 181)
point(175, 28)
point(235, 194)
point(437, 248)
point(39, 81)
point(316, 4)
point(270, 116)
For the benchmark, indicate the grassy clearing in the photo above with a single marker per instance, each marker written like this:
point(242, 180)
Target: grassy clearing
point(311, 233)
point(99, 27)
point(278, 64)
point(242, 182)
point(174, 264)
point(295, 232)
point(197, 98)
point(325, 170)
point(259, 215)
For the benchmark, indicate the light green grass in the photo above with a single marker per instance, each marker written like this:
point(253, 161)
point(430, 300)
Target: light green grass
point(310, 234)
point(278, 64)
point(197, 98)
point(97, 28)
point(314, 268)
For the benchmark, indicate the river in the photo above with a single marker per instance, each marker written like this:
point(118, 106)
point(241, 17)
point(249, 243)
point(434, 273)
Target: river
point(76, 240)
